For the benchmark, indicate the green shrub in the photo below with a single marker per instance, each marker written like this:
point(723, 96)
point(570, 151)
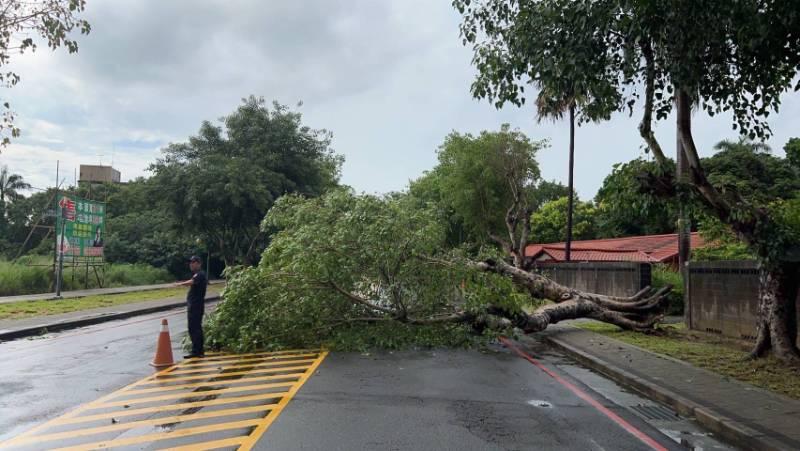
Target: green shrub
point(124, 274)
point(662, 276)
point(22, 277)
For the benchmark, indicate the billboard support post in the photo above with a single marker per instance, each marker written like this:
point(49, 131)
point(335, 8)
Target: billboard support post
point(60, 274)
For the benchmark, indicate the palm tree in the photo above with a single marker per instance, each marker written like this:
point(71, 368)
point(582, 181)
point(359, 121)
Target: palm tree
point(552, 104)
point(10, 184)
point(743, 144)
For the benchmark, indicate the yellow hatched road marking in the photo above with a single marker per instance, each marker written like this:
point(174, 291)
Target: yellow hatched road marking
point(218, 355)
point(83, 407)
point(151, 422)
point(165, 435)
point(247, 360)
point(233, 373)
point(273, 414)
point(194, 394)
point(211, 383)
point(186, 405)
point(254, 365)
point(264, 363)
point(215, 444)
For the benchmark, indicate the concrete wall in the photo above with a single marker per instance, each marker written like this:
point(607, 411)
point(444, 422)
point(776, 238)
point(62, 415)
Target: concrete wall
point(92, 173)
point(723, 298)
point(612, 278)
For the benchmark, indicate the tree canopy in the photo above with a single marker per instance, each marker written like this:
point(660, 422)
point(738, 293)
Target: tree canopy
point(720, 56)
point(344, 270)
point(221, 183)
point(20, 24)
point(477, 177)
point(549, 223)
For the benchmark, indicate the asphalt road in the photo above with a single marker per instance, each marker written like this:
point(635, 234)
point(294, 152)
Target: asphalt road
point(446, 399)
point(43, 377)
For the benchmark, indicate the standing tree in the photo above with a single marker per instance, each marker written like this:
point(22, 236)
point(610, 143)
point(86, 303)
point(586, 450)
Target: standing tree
point(489, 181)
point(550, 221)
point(625, 209)
point(20, 23)
point(792, 149)
point(721, 56)
point(507, 64)
point(10, 185)
point(221, 183)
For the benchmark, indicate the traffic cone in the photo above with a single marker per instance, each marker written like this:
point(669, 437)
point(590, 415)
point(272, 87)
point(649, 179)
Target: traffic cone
point(163, 348)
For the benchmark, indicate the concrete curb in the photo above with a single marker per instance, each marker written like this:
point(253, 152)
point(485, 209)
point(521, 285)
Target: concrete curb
point(12, 334)
point(726, 428)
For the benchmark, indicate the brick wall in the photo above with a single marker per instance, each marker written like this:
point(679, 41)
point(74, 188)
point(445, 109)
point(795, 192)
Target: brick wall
point(611, 278)
point(722, 297)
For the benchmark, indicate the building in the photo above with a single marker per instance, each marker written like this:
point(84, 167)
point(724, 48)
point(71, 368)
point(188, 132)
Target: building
point(643, 249)
point(93, 173)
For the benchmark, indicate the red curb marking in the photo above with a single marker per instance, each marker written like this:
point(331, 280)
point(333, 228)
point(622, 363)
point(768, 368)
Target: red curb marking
point(585, 396)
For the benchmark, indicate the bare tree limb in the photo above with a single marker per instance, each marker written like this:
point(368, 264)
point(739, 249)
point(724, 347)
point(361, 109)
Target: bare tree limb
point(358, 299)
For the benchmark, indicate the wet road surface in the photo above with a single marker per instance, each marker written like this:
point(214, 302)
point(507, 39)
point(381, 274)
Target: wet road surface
point(43, 377)
point(430, 399)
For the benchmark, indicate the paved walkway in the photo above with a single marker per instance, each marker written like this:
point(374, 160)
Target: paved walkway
point(733, 409)
point(90, 292)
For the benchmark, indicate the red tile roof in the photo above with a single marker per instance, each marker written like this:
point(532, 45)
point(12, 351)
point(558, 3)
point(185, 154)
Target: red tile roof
point(648, 248)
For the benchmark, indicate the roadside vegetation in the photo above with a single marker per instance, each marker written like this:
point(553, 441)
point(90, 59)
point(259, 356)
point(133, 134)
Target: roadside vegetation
point(715, 353)
point(22, 278)
point(662, 276)
point(28, 309)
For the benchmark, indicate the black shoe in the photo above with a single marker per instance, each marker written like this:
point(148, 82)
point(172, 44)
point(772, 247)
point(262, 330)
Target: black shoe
point(194, 356)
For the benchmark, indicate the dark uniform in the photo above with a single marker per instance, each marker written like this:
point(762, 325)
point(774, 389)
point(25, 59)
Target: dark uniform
point(196, 306)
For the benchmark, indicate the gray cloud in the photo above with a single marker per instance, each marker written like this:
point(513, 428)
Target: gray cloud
point(389, 79)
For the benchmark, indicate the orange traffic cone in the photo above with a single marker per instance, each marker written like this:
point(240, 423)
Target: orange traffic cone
point(163, 348)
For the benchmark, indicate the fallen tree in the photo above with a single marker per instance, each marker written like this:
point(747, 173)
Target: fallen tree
point(352, 271)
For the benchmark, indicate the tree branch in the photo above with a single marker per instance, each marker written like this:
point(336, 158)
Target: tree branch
point(359, 300)
point(645, 127)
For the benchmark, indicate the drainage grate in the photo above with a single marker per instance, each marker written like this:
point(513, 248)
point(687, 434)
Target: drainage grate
point(654, 412)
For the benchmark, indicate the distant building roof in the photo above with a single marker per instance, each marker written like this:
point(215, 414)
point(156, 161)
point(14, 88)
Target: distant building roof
point(646, 249)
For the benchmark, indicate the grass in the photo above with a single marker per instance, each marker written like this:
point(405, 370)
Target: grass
point(21, 278)
point(714, 353)
point(28, 309)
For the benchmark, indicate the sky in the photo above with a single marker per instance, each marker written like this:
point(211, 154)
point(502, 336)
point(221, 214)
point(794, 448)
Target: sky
point(389, 79)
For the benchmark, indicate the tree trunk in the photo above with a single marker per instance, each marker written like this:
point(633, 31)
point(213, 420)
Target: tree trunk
point(638, 312)
point(568, 247)
point(777, 313)
point(778, 285)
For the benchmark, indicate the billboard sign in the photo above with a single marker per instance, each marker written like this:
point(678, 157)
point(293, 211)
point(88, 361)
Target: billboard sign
point(83, 223)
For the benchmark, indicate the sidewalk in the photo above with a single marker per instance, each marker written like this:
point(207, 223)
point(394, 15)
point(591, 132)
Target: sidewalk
point(746, 416)
point(90, 292)
point(19, 328)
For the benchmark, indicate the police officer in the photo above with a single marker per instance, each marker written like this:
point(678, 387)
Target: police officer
point(195, 300)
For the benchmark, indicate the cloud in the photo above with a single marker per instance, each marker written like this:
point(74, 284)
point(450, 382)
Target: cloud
point(389, 79)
